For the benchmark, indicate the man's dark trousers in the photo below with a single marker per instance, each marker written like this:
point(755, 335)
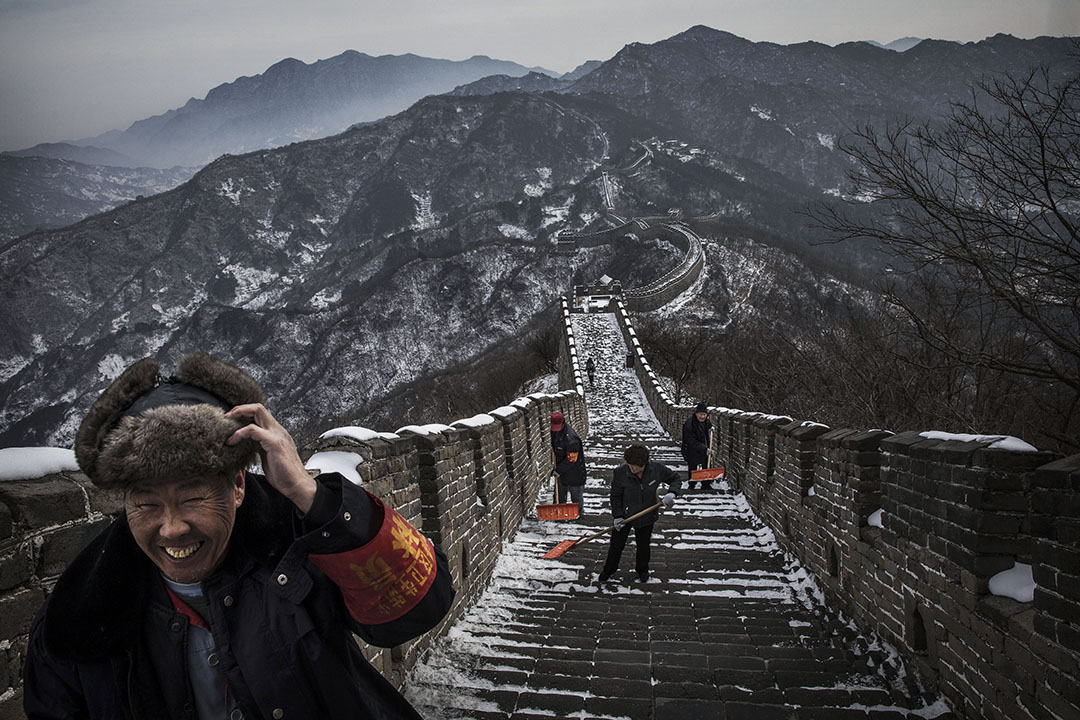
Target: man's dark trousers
point(642, 538)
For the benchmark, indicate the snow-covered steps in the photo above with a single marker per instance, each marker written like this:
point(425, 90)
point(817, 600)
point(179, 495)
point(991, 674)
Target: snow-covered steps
point(728, 626)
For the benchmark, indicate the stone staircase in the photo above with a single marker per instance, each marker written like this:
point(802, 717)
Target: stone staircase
point(728, 626)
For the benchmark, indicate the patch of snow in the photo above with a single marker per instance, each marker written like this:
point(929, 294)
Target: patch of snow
point(111, 366)
point(325, 298)
point(29, 463)
point(425, 218)
point(997, 442)
point(557, 213)
point(514, 231)
point(762, 112)
point(875, 518)
point(355, 432)
point(233, 190)
point(477, 421)
point(429, 429)
point(539, 188)
point(811, 423)
point(343, 463)
point(9, 367)
point(121, 322)
point(1016, 583)
point(827, 140)
point(249, 280)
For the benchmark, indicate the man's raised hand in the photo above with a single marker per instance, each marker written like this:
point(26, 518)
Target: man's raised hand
point(281, 461)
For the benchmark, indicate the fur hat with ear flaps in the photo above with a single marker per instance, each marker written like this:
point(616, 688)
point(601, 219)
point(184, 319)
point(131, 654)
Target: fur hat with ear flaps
point(147, 429)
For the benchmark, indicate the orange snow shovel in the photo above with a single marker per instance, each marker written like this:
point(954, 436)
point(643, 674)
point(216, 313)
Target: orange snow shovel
point(558, 511)
point(710, 473)
point(565, 545)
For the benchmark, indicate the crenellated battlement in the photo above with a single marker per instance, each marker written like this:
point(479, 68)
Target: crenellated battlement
point(958, 517)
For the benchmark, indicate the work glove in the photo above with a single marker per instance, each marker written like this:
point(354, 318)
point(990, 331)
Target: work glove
point(668, 500)
point(618, 523)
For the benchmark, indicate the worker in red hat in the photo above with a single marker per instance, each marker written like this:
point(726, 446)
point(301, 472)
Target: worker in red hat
point(569, 461)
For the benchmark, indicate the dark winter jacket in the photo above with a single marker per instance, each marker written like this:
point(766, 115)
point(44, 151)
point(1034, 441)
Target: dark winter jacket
point(695, 441)
point(109, 642)
point(569, 456)
point(630, 494)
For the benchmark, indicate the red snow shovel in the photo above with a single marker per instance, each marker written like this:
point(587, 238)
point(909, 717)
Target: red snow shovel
point(565, 545)
point(711, 473)
point(558, 511)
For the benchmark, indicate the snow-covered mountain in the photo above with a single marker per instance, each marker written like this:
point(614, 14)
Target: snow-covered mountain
point(346, 269)
point(338, 269)
point(42, 192)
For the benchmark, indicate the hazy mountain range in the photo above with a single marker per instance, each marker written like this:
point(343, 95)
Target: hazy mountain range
point(900, 45)
point(344, 269)
point(289, 102)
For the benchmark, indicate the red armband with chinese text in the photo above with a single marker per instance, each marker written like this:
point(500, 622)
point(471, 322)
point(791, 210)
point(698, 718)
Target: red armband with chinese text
point(387, 577)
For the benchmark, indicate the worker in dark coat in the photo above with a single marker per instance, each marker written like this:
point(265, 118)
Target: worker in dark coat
point(635, 487)
point(569, 461)
point(220, 593)
point(696, 432)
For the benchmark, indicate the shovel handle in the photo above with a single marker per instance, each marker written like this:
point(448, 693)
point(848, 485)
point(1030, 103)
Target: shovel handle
point(605, 531)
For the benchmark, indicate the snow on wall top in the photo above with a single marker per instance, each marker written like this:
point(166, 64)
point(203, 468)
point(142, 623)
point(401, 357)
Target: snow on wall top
point(343, 463)
point(429, 429)
point(477, 421)
point(356, 432)
point(27, 463)
point(997, 442)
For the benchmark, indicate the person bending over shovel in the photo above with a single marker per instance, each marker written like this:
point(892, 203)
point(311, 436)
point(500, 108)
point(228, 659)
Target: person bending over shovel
point(634, 487)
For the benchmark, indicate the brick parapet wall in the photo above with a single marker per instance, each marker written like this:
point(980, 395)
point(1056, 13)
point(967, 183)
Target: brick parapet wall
point(570, 368)
point(1055, 526)
point(954, 513)
point(44, 523)
point(467, 487)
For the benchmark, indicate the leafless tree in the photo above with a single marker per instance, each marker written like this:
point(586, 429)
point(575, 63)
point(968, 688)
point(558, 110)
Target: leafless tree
point(675, 351)
point(981, 211)
point(543, 345)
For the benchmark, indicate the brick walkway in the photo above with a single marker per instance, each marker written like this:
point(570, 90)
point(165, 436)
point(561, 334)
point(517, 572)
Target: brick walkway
point(728, 626)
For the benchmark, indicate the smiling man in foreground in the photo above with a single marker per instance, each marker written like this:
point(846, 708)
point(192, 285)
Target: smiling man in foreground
point(221, 593)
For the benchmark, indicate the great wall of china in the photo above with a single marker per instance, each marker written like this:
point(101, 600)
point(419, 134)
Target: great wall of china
point(953, 515)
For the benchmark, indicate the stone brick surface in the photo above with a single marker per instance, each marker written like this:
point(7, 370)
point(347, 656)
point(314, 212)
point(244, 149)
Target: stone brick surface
point(45, 501)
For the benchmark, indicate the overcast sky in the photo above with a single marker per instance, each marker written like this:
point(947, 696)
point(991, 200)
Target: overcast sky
point(75, 68)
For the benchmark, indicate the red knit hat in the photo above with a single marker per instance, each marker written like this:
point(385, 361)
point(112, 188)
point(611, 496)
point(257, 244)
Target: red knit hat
point(556, 421)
